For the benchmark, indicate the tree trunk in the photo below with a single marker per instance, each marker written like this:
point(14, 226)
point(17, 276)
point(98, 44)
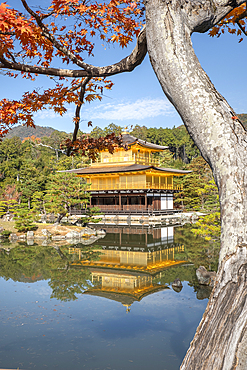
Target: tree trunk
point(207, 116)
point(221, 338)
point(220, 341)
point(59, 218)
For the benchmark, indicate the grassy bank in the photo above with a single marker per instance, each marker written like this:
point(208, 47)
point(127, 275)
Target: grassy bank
point(10, 226)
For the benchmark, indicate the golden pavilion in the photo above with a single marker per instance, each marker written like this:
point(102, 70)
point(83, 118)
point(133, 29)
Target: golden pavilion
point(131, 181)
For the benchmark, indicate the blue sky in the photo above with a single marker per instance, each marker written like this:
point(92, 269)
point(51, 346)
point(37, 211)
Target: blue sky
point(137, 97)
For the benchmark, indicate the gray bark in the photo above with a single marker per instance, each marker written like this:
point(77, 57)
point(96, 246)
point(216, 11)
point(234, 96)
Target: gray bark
point(220, 341)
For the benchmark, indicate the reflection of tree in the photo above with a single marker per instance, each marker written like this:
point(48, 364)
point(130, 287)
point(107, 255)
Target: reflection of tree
point(184, 273)
point(31, 263)
point(68, 282)
point(198, 251)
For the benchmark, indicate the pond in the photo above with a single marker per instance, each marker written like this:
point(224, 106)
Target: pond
point(109, 305)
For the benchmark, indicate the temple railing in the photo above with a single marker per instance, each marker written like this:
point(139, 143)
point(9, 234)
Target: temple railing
point(136, 158)
point(134, 186)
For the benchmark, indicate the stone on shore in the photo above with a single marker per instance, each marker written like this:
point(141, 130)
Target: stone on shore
point(30, 235)
point(73, 235)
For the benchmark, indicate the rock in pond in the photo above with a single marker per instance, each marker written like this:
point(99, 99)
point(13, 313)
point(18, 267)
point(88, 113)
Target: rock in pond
point(177, 286)
point(205, 277)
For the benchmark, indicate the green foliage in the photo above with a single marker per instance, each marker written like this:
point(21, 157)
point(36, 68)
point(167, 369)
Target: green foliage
point(99, 132)
point(89, 215)
point(6, 233)
point(37, 201)
point(208, 227)
point(24, 220)
point(65, 190)
point(176, 138)
point(26, 168)
point(199, 189)
point(33, 263)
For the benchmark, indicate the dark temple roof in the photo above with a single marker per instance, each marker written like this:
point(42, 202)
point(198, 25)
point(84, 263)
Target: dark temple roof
point(124, 168)
point(131, 140)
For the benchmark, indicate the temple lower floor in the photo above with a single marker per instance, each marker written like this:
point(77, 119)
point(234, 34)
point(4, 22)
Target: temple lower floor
point(133, 201)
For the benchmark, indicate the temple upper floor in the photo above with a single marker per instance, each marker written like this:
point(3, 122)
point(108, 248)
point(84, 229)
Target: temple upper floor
point(134, 151)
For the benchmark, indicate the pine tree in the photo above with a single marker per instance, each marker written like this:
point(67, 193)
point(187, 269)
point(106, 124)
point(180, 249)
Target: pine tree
point(65, 190)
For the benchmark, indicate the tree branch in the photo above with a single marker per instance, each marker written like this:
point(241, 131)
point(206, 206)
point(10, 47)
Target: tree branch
point(50, 147)
point(242, 28)
point(127, 64)
point(77, 112)
point(46, 33)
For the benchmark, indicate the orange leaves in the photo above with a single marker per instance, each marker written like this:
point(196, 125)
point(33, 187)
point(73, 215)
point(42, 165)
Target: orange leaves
point(32, 138)
point(234, 23)
point(3, 7)
point(70, 24)
point(22, 112)
point(62, 33)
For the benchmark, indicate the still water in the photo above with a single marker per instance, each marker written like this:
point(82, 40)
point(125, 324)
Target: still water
point(109, 305)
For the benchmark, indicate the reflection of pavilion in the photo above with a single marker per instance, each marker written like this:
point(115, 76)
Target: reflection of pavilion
point(136, 238)
point(126, 287)
point(127, 266)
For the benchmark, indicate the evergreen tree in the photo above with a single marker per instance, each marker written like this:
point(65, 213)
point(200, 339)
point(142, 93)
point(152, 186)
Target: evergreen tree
point(65, 190)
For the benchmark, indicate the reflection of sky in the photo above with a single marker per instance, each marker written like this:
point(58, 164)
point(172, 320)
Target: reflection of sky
point(93, 332)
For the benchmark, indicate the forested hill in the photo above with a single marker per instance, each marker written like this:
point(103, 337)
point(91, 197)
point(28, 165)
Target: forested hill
point(23, 132)
point(243, 119)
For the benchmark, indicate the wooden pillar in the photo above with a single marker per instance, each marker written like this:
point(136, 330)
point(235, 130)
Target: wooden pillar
point(146, 201)
point(120, 205)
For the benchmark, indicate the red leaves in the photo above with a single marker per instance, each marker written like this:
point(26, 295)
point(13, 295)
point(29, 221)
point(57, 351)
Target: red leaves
point(88, 146)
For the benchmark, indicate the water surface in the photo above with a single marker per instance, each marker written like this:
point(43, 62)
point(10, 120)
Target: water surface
point(104, 306)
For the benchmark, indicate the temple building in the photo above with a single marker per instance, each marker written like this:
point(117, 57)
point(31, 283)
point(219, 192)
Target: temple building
point(131, 181)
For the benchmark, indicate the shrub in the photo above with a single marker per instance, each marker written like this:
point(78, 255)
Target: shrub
point(24, 220)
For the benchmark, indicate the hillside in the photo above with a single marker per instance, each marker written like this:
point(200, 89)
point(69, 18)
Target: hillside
point(243, 119)
point(22, 132)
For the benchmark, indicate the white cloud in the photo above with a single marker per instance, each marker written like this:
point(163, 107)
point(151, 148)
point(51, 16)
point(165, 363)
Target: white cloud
point(138, 110)
point(50, 114)
point(121, 111)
